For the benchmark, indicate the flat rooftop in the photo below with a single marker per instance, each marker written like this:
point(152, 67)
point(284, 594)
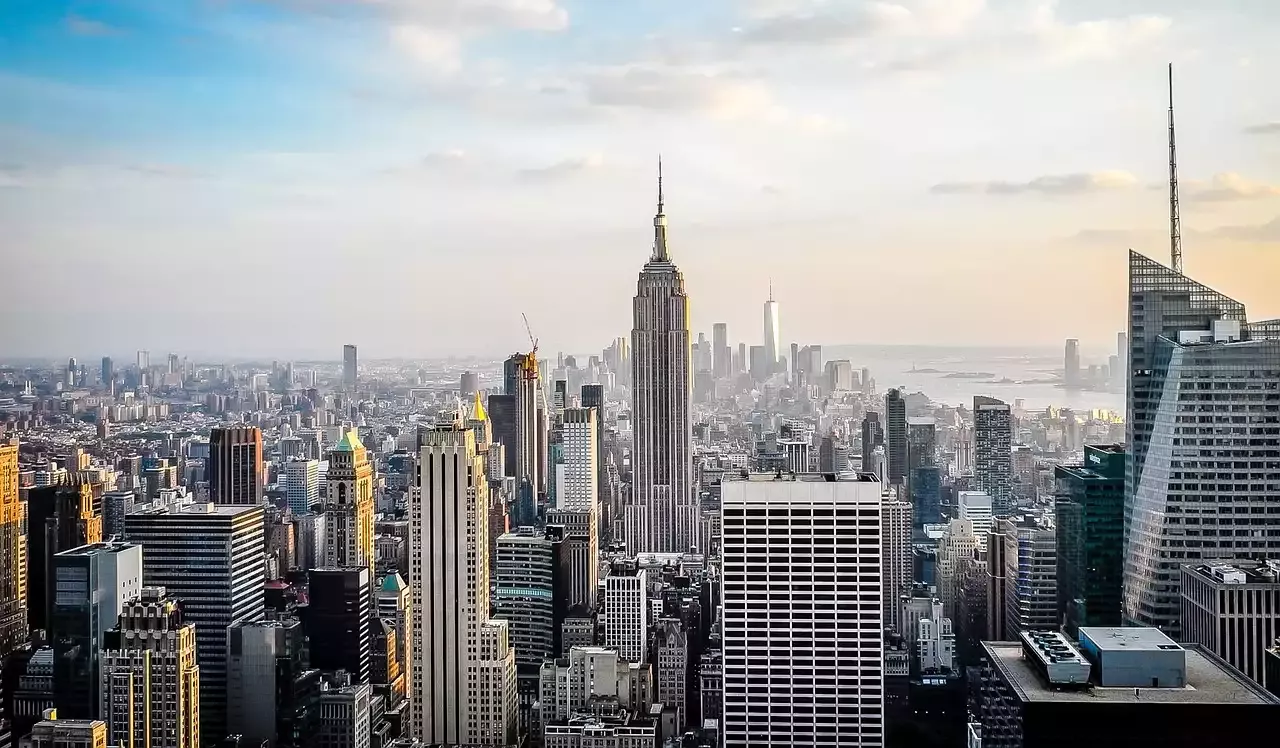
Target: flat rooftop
point(1208, 682)
point(846, 477)
point(1255, 572)
point(1128, 639)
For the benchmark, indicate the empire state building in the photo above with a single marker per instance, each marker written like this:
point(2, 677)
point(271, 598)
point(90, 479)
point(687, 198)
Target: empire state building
point(662, 513)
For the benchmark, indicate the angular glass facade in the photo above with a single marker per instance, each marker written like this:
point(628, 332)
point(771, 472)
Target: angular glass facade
point(1204, 434)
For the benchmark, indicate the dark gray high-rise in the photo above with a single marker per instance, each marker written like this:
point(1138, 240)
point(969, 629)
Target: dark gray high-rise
point(895, 437)
point(993, 451)
point(235, 465)
point(350, 369)
point(720, 353)
point(872, 437)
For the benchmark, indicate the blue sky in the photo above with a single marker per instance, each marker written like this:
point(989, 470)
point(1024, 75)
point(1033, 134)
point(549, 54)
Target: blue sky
point(288, 161)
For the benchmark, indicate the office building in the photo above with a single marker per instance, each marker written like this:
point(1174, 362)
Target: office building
point(817, 660)
point(234, 468)
point(69, 733)
point(1233, 610)
point(721, 365)
point(1031, 571)
point(468, 385)
point(569, 685)
point(925, 484)
point(976, 507)
point(91, 585)
point(772, 346)
point(626, 610)
point(273, 698)
point(501, 410)
point(1200, 377)
point(1071, 364)
point(577, 477)
point(460, 658)
point(528, 462)
point(348, 505)
point(1119, 688)
point(663, 510)
point(346, 717)
point(1089, 518)
point(302, 485)
point(530, 595)
point(350, 368)
point(895, 437)
point(59, 518)
point(895, 558)
point(922, 444)
point(337, 621)
point(993, 451)
point(872, 437)
point(672, 670)
point(212, 558)
point(150, 680)
point(395, 606)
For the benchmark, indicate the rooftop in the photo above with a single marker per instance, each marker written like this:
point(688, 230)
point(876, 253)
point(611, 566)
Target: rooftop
point(1237, 572)
point(210, 510)
point(110, 546)
point(1209, 680)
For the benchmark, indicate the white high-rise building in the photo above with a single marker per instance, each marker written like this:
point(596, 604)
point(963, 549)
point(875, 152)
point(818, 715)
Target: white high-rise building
point(662, 513)
point(577, 476)
point(626, 608)
point(977, 507)
point(302, 485)
point(772, 342)
point(463, 666)
point(895, 559)
point(814, 540)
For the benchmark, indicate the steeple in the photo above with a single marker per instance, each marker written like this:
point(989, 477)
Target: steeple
point(660, 253)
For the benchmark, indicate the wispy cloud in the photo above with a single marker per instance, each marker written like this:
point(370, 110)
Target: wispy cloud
point(1226, 187)
point(81, 26)
point(1264, 128)
point(1057, 185)
point(1259, 233)
point(566, 169)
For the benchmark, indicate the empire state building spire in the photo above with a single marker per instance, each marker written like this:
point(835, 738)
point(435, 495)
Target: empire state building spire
point(660, 253)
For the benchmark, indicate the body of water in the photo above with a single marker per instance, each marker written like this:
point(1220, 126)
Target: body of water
point(1029, 374)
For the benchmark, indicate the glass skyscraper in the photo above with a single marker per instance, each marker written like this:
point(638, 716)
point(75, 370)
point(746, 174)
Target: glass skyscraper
point(1089, 510)
point(1204, 431)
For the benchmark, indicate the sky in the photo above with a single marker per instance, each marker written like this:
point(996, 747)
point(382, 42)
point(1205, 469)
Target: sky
point(280, 177)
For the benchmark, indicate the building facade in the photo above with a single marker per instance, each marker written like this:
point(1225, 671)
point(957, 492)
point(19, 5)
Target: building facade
point(348, 505)
point(662, 513)
point(993, 451)
point(1089, 517)
point(1233, 610)
point(814, 541)
point(234, 468)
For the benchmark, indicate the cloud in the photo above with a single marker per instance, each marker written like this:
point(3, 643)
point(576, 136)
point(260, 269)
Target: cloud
point(668, 89)
point(566, 169)
point(439, 51)
point(1261, 233)
point(1226, 187)
point(81, 26)
point(11, 175)
point(1264, 128)
point(1057, 185)
point(825, 23)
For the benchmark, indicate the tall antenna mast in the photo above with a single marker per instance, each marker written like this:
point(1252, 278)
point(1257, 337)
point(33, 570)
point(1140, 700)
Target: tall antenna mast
point(1175, 221)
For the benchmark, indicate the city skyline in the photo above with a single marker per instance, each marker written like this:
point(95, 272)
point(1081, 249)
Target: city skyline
point(110, 167)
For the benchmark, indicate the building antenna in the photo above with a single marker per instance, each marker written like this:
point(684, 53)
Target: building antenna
point(1175, 221)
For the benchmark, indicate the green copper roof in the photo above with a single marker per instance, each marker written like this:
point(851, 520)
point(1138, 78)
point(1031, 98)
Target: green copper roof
point(393, 583)
point(350, 442)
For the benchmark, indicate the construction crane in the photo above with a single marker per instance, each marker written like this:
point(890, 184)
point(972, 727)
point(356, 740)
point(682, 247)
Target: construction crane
point(531, 368)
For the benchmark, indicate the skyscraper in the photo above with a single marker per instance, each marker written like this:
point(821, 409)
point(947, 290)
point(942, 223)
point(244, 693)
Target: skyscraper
point(302, 484)
point(895, 436)
point(818, 666)
point(349, 506)
point(235, 465)
point(1071, 363)
point(150, 679)
point(13, 592)
point(895, 559)
point(720, 353)
point(460, 657)
point(662, 515)
point(772, 344)
point(108, 370)
point(350, 370)
point(530, 435)
point(338, 618)
point(1089, 513)
point(92, 584)
point(212, 557)
point(1202, 430)
point(626, 605)
point(872, 437)
point(993, 451)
